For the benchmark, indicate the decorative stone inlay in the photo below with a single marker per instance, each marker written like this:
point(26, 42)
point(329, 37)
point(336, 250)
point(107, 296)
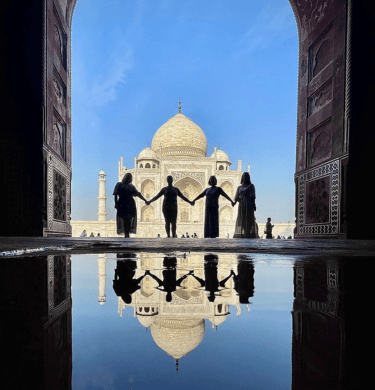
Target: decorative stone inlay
point(56, 165)
point(317, 201)
point(311, 226)
point(199, 176)
point(58, 266)
point(59, 196)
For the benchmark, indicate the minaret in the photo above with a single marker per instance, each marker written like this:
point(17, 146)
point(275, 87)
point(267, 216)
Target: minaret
point(102, 260)
point(240, 165)
point(102, 215)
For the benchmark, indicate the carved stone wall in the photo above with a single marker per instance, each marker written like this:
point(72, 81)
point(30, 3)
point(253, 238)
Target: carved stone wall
point(321, 115)
point(58, 117)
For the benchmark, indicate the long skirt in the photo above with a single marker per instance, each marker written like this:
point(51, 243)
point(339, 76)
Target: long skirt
point(126, 220)
point(211, 222)
point(245, 223)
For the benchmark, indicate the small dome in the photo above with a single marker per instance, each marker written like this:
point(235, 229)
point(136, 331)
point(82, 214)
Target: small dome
point(102, 172)
point(218, 320)
point(146, 321)
point(180, 136)
point(220, 155)
point(147, 153)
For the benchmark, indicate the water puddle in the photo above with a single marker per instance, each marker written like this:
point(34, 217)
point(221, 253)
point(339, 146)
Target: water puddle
point(177, 320)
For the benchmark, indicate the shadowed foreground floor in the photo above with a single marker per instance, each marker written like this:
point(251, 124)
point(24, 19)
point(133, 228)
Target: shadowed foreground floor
point(23, 246)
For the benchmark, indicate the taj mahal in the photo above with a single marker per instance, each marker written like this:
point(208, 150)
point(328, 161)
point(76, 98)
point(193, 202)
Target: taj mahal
point(179, 149)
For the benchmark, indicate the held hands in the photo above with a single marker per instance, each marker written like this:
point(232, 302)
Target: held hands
point(147, 202)
point(233, 203)
point(192, 202)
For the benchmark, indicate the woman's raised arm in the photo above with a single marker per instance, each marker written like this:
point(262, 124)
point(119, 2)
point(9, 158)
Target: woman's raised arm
point(200, 196)
point(183, 197)
point(162, 192)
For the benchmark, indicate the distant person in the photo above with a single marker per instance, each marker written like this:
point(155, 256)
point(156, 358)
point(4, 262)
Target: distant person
point(245, 196)
point(124, 193)
point(98, 235)
point(290, 238)
point(268, 229)
point(92, 234)
point(195, 235)
point(84, 234)
point(169, 209)
point(183, 236)
point(187, 235)
point(211, 218)
point(158, 236)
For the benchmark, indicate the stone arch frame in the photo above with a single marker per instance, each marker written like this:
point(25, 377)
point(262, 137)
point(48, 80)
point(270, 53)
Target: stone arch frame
point(196, 212)
point(228, 209)
point(144, 209)
point(350, 21)
point(147, 165)
point(144, 183)
point(224, 184)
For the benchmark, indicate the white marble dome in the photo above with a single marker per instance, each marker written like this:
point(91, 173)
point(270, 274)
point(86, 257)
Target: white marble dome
point(180, 136)
point(147, 154)
point(220, 155)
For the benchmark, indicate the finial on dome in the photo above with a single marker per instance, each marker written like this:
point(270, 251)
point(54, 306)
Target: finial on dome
point(179, 106)
point(177, 364)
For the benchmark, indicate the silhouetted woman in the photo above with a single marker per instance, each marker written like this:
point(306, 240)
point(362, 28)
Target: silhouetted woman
point(170, 205)
point(245, 196)
point(211, 218)
point(124, 193)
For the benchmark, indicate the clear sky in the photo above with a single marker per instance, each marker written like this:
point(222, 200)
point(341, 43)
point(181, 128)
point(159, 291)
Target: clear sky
point(233, 64)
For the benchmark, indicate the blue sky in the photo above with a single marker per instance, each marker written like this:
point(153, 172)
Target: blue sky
point(233, 64)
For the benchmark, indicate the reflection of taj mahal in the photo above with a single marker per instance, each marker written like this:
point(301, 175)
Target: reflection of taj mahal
point(179, 148)
point(179, 326)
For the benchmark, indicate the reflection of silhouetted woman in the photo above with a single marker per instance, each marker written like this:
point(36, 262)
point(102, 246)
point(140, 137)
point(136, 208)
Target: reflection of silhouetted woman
point(170, 205)
point(245, 196)
point(169, 281)
point(244, 280)
point(124, 193)
point(211, 282)
point(124, 285)
point(211, 218)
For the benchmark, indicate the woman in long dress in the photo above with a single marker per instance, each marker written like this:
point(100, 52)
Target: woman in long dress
point(170, 205)
point(211, 218)
point(124, 194)
point(245, 196)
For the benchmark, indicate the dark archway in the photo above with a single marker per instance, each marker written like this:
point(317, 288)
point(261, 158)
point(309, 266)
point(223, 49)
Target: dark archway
point(335, 141)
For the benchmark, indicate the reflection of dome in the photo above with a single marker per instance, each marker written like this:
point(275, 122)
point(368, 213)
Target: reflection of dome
point(220, 155)
point(146, 321)
point(180, 136)
point(177, 337)
point(147, 153)
point(218, 320)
